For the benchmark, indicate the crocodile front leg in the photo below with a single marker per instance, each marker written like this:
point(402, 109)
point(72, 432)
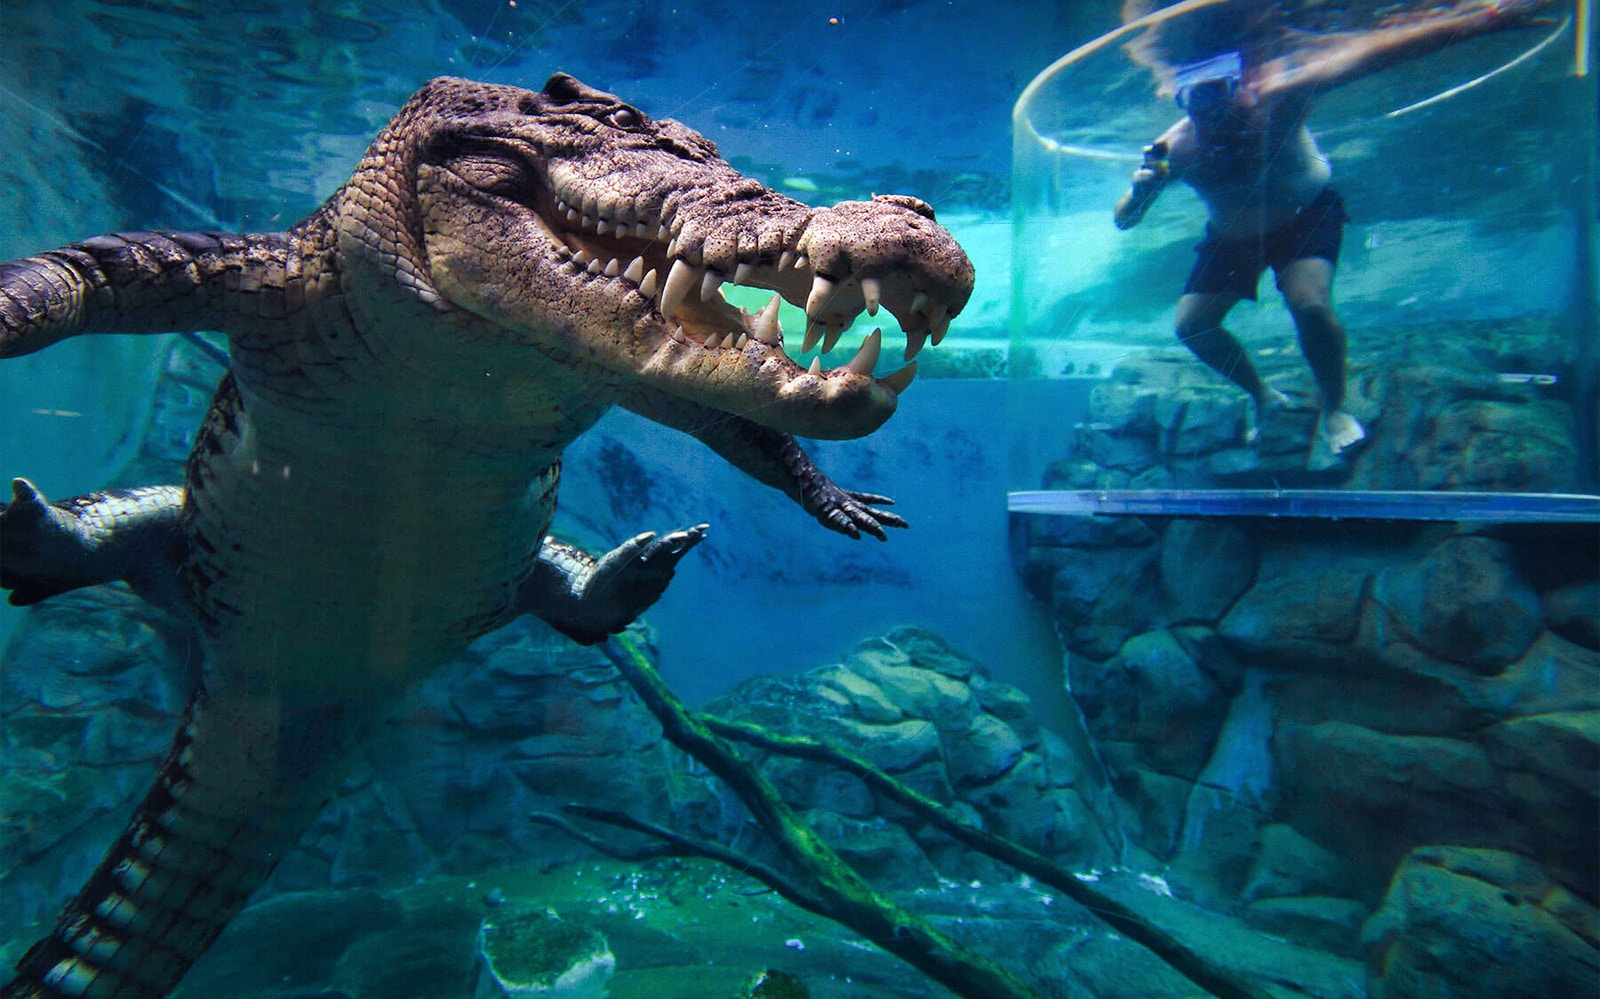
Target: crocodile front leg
point(135, 535)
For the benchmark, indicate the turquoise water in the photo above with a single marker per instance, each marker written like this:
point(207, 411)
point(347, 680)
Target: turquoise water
point(1327, 730)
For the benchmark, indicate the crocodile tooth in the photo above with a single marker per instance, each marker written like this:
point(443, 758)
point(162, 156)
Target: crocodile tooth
point(813, 334)
point(872, 292)
point(601, 226)
point(821, 291)
point(867, 357)
point(939, 323)
point(816, 366)
point(914, 342)
point(800, 262)
point(613, 268)
point(743, 273)
point(581, 258)
point(831, 337)
point(786, 261)
point(672, 247)
point(680, 279)
point(744, 341)
point(661, 231)
point(710, 284)
point(765, 327)
point(620, 230)
point(713, 341)
point(647, 287)
point(635, 270)
point(572, 215)
point(896, 382)
point(596, 266)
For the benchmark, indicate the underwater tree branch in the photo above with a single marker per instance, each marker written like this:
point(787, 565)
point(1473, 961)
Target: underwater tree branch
point(676, 844)
point(1205, 973)
point(839, 893)
point(606, 847)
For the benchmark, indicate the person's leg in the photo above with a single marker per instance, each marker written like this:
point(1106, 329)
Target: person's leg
point(1199, 327)
point(1307, 286)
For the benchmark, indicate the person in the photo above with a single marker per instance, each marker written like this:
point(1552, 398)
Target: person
point(1244, 147)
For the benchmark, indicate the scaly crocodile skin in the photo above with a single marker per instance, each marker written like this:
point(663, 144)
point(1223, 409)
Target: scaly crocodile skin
point(373, 483)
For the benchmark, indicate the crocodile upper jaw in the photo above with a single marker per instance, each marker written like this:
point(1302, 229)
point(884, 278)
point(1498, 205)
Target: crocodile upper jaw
point(623, 267)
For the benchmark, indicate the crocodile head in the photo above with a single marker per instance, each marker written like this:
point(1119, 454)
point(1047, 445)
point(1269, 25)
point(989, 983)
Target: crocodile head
point(571, 222)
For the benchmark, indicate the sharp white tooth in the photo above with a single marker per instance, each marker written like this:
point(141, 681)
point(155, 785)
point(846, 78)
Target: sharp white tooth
point(899, 380)
point(813, 335)
point(647, 287)
point(710, 284)
point(816, 366)
point(872, 291)
point(595, 266)
point(572, 215)
point(766, 327)
point(677, 334)
point(635, 270)
point(800, 262)
point(586, 222)
point(680, 279)
point(563, 251)
point(602, 227)
point(939, 324)
point(561, 207)
point(620, 230)
point(914, 343)
point(744, 341)
point(581, 258)
point(713, 341)
point(821, 291)
point(786, 261)
point(742, 273)
point(661, 232)
point(672, 247)
point(867, 357)
point(831, 339)
point(613, 268)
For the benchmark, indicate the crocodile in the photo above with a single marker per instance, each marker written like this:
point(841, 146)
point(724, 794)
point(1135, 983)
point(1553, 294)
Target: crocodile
point(373, 483)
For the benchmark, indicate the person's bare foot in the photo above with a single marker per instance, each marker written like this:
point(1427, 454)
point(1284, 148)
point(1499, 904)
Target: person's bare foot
point(1260, 411)
point(1337, 433)
point(1340, 430)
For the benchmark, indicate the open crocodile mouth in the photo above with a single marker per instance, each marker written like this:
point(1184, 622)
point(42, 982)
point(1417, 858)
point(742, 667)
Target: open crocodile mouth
point(640, 250)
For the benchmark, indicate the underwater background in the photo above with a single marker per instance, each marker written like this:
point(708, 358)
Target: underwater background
point(1334, 753)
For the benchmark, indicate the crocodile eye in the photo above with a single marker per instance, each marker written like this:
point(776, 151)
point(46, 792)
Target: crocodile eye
point(624, 118)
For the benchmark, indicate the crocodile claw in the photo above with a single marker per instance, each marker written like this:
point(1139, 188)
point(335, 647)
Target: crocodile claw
point(622, 584)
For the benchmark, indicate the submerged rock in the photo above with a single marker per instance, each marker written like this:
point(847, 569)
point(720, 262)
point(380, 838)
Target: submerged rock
point(526, 952)
point(1464, 923)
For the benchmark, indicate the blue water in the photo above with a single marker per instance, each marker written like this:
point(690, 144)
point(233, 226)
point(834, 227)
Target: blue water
point(1332, 725)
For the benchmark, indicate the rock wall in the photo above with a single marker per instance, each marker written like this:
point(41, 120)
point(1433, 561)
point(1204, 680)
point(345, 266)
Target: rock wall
point(1289, 710)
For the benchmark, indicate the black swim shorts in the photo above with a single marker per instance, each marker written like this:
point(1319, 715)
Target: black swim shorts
point(1235, 265)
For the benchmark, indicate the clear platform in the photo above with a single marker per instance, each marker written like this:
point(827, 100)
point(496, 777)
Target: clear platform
point(1328, 504)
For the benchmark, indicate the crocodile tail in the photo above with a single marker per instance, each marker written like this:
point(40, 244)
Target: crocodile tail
point(179, 873)
point(148, 282)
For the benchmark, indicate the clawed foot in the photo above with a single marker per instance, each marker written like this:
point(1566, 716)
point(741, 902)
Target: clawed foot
point(851, 513)
point(624, 583)
point(40, 552)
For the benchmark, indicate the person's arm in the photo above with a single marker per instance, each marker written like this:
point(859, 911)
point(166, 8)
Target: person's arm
point(1327, 61)
point(1153, 174)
